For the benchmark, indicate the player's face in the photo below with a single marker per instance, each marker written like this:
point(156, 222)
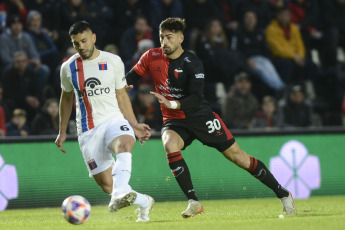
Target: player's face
point(84, 44)
point(170, 41)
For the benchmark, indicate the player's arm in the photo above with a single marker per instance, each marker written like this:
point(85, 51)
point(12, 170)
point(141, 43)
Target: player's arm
point(65, 109)
point(139, 70)
point(65, 106)
point(125, 105)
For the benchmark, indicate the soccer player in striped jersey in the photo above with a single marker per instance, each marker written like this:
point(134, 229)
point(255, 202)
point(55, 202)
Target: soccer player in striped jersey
point(105, 120)
point(178, 76)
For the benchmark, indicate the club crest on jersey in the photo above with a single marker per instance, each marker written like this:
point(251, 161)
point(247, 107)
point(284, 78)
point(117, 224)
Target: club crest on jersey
point(177, 71)
point(102, 65)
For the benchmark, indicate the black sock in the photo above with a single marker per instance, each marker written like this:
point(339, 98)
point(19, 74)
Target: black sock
point(261, 172)
point(181, 172)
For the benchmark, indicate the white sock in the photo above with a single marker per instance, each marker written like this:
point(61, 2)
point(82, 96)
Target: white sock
point(121, 174)
point(141, 200)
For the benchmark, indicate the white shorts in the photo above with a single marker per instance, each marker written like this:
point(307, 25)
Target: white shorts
point(94, 144)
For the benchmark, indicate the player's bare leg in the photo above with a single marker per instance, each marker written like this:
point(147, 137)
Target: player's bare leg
point(261, 172)
point(105, 180)
point(122, 193)
point(173, 144)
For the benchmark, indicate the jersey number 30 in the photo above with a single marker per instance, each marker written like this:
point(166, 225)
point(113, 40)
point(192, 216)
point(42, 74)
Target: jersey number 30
point(213, 125)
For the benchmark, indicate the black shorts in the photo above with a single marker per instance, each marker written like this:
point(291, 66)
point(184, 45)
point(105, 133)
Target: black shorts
point(209, 130)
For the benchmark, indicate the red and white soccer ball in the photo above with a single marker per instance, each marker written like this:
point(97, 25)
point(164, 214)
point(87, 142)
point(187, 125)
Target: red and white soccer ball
point(76, 209)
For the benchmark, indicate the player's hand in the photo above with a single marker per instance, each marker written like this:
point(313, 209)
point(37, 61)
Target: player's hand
point(162, 100)
point(129, 88)
point(142, 131)
point(60, 140)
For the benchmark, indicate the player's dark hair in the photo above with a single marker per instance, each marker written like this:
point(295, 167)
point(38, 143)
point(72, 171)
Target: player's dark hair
point(173, 24)
point(79, 27)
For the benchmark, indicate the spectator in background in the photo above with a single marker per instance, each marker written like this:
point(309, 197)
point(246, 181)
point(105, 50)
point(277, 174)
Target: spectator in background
point(305, 14)
point(143, 46)
point(268, 117)
point(228, 14)
point(20, 84)
point(112, 48)
point(333, 18)
point(250, 40)
point(4, 104)
point(71, 11)
point(101, 18)
point(240, 105)
point(213, 50)
point(286, 44)
point(14, 7)
point(15, 39)
point(146, 108)
point(17, 126)
point(261, 9)
point(43, 43)
point(275, 5)
point(295, 110)
point(198, 13)
point(47, 121)
point(131, 37)
point(48, 10)
point(127, 11)
point(162, 9)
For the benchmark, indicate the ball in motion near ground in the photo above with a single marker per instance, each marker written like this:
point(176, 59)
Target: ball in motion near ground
point(76, 209)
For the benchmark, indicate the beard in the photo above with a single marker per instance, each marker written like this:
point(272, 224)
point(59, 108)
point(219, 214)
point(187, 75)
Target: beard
point(169, 50)
point(88, 54)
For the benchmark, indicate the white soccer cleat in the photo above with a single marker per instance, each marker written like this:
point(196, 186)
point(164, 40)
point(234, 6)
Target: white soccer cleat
point(194, 208)
point(122, 201)
point(144, 212)
point(288, 205)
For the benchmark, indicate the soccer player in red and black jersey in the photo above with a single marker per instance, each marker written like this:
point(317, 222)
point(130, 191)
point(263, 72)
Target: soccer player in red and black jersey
point(179, 81)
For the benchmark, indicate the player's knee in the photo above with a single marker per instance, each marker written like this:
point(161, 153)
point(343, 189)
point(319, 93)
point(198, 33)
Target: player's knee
point(234, 154)
point(125, 146)
point(171, 147)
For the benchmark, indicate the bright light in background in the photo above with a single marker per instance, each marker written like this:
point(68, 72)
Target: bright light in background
point(296, 170)
point(8, 183)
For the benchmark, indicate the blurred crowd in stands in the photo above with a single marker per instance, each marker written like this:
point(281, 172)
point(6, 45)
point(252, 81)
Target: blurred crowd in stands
point(270, 64)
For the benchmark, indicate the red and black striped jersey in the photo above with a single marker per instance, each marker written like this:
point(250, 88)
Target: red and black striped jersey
point(179, 79)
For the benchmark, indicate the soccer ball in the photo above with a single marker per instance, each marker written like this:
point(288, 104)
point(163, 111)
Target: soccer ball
point(76, 209)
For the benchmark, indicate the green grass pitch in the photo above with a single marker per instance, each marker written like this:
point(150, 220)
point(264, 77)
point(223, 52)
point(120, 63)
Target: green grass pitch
point(314, 213)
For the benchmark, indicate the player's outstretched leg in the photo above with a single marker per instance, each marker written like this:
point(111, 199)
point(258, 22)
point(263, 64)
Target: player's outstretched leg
point(122, 194)
point(181, 172)
point(259, 170)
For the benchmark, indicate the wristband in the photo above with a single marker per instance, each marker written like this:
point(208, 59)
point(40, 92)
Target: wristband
point(173, 104)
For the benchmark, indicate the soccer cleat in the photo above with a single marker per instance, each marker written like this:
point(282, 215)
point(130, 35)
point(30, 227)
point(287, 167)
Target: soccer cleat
point(144, 212)
point(288, 205)
point(122, 201)
point(194, 208)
